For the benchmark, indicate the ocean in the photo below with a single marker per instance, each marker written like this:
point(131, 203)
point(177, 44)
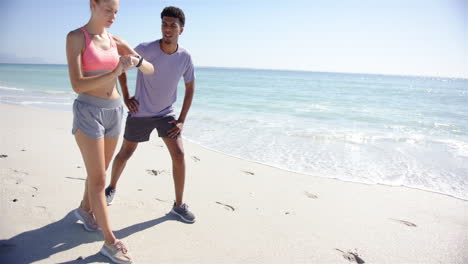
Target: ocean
point(374, 129)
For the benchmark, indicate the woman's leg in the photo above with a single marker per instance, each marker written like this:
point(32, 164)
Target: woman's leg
point(94, 156)
point(109, 148)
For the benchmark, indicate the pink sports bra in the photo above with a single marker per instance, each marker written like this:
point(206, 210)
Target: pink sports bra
point(96, 59)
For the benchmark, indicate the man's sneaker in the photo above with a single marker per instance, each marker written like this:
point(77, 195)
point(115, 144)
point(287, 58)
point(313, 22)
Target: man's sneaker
point(117, 252)
point(110, 193)
point(87, 218)
point(183, 212)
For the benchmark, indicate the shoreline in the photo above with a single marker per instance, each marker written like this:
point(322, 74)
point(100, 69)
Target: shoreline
point(289, 217)
point(331, 178)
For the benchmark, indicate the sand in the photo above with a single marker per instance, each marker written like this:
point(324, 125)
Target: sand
point(246, 212)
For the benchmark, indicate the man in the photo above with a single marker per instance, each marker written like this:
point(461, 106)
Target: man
point(151, 107)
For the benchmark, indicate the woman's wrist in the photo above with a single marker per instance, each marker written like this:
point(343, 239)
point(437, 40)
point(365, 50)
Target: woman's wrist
point(139, 62)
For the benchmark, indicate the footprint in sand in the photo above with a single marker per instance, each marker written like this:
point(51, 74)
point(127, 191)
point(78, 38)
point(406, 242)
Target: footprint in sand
point(39, 210)
point(155, 172)
point(163, 201)
point(195, 158)
point(407, 223)
point(74, 178)
point(227, 206)
point(12, 180)
point(16, 179)
point(19, 172)
point(351, 256)
point(310, 195)
point(248, 172)
point(26, 188)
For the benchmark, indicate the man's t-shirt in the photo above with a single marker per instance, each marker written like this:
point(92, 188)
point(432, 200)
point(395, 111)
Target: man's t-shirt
point(157, 92)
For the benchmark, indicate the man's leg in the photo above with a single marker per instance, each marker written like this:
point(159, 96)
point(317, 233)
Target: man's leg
point(120, 161)
point(176, 149)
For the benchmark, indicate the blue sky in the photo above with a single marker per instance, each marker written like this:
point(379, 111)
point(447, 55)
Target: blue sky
point(408, 37)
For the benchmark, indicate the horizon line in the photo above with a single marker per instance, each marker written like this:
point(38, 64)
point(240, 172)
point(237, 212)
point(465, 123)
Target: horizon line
point(278, 69)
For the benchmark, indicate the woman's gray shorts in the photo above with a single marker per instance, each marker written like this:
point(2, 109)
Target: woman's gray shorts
point(97, 117)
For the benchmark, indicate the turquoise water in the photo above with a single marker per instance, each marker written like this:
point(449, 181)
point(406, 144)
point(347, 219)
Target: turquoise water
point(396, 130)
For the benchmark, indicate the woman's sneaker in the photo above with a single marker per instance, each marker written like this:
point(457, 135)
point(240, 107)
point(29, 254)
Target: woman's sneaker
point(117, 252)
point(183, 212)
point(110, 193)
point(87, 218)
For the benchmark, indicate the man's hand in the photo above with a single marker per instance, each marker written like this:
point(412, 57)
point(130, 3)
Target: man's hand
point(176, 130)
point(132, 104)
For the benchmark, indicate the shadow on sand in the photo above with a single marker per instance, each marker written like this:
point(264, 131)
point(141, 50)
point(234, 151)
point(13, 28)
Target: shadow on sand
point(65, 234)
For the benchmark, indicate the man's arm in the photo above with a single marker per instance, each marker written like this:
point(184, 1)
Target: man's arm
point(179, 123)
point(130, 102)
point(125, 49)
point(189, 91)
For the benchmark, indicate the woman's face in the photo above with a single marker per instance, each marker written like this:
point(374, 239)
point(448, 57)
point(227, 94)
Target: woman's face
point(105, 11)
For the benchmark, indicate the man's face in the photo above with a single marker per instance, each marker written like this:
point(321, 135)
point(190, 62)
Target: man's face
point(171, 29)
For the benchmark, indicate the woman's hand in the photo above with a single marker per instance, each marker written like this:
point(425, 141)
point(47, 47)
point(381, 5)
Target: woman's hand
point(125, 64)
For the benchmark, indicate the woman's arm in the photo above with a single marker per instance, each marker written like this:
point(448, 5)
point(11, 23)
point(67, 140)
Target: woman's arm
point(81, 84)
point(125, 49)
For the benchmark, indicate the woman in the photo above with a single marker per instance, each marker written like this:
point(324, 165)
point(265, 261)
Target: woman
point(94, 65)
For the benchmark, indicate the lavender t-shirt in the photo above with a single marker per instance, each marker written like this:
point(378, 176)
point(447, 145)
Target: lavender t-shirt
point(157, 92)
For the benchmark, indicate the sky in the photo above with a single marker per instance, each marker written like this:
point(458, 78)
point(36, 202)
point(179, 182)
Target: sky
point(403, 37)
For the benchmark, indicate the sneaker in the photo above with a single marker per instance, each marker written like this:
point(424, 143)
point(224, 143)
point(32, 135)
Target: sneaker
point(110, 193)
point(87, 218)
point(183, 212)
point(117, 252)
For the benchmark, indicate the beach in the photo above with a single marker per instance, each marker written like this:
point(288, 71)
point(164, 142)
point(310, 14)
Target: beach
point(246, 212)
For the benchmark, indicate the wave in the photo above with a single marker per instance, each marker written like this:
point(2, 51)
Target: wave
point(43, 103)
point(353, 137)
point(11, 88)
point(378, 172)
point(55, 92)
point(460, 147)
point(35, 90)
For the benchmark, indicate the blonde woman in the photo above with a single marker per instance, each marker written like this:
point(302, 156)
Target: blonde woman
point(95, 60)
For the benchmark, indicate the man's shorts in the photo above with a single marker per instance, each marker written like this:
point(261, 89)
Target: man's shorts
point(97, 117)
point(138, 129)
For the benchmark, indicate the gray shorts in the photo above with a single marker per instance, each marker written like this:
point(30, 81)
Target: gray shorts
point(138, 129)
point(97, 117)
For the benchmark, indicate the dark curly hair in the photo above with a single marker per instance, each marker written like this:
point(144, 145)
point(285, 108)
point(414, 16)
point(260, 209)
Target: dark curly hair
point(172, 11)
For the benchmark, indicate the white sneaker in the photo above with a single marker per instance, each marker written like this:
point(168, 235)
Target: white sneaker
point(87, 218)
point(117, 252)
